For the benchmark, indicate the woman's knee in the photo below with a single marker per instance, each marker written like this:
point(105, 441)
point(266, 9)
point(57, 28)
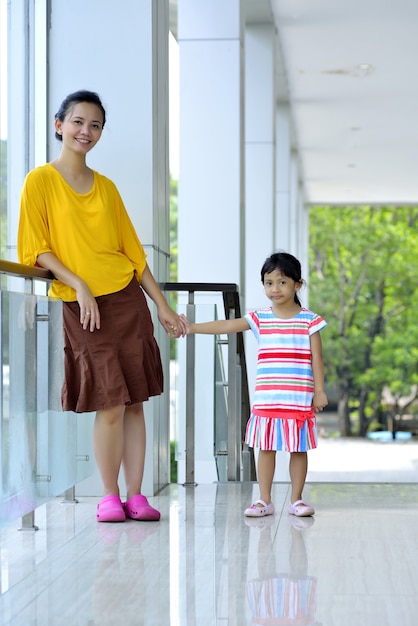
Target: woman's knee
point(110, 416)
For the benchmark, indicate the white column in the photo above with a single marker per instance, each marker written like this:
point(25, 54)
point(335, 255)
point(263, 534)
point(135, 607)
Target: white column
point(211, 141)
point(283, 151)
point(303, 244)
point(211, 192)
point(125, 59)
point(293, 204)
point(260, 158)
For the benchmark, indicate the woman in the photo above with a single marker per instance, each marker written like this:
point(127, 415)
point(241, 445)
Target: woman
point(73, 223)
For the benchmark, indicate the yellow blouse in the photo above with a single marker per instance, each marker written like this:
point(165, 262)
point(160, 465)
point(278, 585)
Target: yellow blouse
point(91, 233)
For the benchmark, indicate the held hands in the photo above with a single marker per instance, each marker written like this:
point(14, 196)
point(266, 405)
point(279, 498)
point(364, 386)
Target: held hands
point(319, 400)
point(175, 325)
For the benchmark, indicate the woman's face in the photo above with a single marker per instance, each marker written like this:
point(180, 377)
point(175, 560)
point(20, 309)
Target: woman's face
point(82, 127)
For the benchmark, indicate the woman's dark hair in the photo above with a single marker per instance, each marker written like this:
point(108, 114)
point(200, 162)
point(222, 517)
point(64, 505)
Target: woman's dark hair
point(285, 263)
point(76, 98)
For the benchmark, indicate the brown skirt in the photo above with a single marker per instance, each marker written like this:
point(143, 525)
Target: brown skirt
point(120, 363)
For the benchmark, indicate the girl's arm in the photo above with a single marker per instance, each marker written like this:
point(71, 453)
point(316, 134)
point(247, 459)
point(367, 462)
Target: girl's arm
point(319, 400)
point(218, 327)
point(89, 311)
point(174, 325)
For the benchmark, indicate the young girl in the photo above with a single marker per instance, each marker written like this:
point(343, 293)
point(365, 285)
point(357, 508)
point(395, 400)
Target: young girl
point(73, 222)
point(290, 380)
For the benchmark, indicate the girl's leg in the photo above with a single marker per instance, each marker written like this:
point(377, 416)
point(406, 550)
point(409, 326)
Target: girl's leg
point(265, 473)
point(298, 468)
point(108, 446)
point(134, 448)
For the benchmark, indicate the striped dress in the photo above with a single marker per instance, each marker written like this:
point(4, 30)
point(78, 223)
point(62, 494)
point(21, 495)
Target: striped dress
point(282, 417)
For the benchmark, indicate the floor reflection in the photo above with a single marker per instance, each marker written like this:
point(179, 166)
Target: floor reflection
point(280, 597)
point(205, 564)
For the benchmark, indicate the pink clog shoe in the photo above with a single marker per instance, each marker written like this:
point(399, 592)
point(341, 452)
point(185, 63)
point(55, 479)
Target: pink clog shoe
point(110, 509)
point(139, 508)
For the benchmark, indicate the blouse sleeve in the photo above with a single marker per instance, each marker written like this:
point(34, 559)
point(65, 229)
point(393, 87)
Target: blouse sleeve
point(33, 236)
point(129, 242)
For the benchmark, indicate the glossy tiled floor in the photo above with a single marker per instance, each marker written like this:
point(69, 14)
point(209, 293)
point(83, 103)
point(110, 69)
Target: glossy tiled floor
point(204, 564)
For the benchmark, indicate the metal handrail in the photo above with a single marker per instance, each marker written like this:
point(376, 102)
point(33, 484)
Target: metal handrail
point(25, 271)
point(232, 307)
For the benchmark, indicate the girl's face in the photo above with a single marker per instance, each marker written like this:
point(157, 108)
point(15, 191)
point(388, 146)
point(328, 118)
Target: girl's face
point(82, 127)
point(280, 289)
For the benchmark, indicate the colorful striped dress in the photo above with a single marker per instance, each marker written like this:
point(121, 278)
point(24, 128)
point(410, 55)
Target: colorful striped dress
point(282, 417)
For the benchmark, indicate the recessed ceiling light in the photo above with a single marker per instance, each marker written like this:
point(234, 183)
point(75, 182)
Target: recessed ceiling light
point(364, 66)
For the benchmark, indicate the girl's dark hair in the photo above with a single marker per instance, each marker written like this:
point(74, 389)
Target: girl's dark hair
point(285, 263)
point(76, 98)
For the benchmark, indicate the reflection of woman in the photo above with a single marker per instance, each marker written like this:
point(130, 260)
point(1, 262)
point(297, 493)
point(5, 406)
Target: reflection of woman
point(74, 223)
point(123, 550)
point(288, 598)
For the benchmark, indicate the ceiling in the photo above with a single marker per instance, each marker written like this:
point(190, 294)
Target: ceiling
point(349, 71)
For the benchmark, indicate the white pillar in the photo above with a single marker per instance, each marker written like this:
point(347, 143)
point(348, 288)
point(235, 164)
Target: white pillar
point(211, 180)
point(125, 59)
point(293, 204)
point(260, 96)
point(211, 141)
point(283, 151)
point(303, 244)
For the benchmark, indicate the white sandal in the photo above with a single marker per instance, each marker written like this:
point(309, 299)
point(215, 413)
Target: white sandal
point(259, 511)
point(300, 509)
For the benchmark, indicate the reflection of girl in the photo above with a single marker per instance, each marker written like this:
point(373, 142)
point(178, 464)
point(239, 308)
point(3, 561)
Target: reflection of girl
point(283, 599)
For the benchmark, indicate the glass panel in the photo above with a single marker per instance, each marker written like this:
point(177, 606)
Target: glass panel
point(18, 424)
point(204, 393)
point(86, 464)
point(3, 129)
point(221, 414)
point(44, 451)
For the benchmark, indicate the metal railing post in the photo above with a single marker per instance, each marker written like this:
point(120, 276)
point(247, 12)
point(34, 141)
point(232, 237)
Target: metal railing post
point(234, 417)
point(190, 397)
point(69, 496)
point(28, 522)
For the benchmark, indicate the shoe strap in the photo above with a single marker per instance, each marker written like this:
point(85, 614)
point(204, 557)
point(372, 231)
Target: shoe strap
point(260, 502)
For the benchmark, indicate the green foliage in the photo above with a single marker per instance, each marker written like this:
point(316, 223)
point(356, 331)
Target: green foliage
point(363, 268)
point(173, 462)
point(173, 253)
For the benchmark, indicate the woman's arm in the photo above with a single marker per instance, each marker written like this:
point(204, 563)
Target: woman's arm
point(174, 325)
point(89, 311)
point(219, 327)
point(320, 399)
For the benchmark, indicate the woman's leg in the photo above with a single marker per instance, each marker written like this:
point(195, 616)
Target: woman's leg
point(265, 473)
point(108, 446)
point(134, 448)
point(298, 468)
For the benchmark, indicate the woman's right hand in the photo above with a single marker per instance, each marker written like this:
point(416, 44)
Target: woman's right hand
point(89, 310)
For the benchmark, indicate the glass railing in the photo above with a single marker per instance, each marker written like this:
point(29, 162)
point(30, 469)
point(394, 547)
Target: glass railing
point(234, 460)
point(44, 451)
